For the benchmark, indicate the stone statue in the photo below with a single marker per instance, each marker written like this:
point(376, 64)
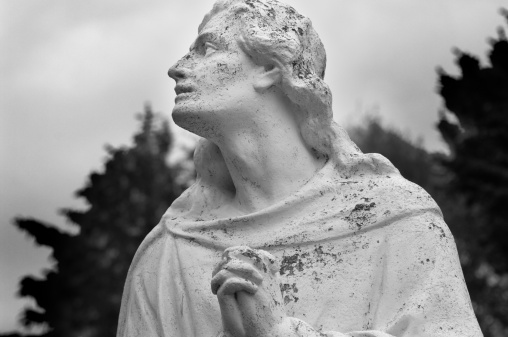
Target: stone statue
point(289, 229)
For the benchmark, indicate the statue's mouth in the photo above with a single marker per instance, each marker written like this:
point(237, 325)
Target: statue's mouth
point(180, 89)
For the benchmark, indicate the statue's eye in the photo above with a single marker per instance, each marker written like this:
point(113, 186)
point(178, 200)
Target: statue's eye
point(209, 48)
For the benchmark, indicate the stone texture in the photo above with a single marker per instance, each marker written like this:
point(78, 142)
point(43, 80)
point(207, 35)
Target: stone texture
point(366, 253)
point(289, 229)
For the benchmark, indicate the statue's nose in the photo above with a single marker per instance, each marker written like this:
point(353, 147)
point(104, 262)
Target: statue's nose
point(180, 69)
point(176, 72)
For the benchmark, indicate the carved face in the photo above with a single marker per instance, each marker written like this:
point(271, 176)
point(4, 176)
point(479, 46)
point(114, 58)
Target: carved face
point(213, 81)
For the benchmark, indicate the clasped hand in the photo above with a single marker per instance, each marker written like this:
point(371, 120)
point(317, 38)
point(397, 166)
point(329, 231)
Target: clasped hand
point(247, 287)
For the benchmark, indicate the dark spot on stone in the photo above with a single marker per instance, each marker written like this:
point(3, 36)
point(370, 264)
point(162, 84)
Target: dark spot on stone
point(284, 287)
point(359, 216)
point(288, 291)
point(250, 3)
point(435, 227)
point(288, 264)
point(364, 207)
point(252, 255)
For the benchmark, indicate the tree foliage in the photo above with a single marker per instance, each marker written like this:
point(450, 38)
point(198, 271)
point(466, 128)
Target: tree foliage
point(478, 140)
point(81, 295)
point(475, 127)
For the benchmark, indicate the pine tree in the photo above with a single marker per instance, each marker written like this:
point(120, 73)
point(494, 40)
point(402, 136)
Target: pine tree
point(81, 295)
point(478, 99)
point(475, 127)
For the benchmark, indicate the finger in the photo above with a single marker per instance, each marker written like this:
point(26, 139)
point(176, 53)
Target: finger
point(224, 276)
point(234, 285)
point(244, 269)
point(269, 260)
point(259, 311)
point(219, 279)
point(242, 253)
point(256, 315)
point(237, 271)
point(240, 268)
point(231, 251)
point(261, 259)
point(228, 254)
point(219, 266)
point(231, 316)
point(247, 303)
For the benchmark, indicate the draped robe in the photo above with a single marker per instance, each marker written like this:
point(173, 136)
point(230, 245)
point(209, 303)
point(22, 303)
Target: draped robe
point(362, 253)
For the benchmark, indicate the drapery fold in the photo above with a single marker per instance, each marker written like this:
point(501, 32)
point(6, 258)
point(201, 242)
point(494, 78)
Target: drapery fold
point(363, 252)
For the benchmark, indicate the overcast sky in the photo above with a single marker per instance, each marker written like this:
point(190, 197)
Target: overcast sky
point(74, 74)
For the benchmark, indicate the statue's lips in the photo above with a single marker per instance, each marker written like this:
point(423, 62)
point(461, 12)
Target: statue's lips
point(180, 89)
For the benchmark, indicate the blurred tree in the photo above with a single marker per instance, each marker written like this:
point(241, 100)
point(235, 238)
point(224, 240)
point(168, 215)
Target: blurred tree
point(81, 295)
point(475, 127)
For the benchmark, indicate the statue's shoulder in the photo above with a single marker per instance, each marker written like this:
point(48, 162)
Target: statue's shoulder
point(378, 175)
point(150, 249)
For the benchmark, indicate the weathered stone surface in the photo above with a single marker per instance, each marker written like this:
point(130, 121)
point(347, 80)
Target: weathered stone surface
point(289, 229)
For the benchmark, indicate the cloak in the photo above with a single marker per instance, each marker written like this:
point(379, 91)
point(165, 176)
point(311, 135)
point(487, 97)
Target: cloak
point(363, 252)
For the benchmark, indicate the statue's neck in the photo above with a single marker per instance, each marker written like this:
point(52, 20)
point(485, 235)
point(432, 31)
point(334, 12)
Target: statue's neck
point(267, 162)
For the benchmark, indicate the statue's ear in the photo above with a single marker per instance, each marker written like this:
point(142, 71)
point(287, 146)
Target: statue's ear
point(266, 77)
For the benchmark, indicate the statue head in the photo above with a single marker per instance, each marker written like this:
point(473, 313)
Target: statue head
point(272, 34)
point(255, 34)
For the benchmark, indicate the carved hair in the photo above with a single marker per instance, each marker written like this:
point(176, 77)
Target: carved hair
point(274, 33)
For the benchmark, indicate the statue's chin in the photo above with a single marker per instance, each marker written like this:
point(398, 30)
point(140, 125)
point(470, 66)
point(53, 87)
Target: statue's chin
point(194, 122)
point(184, 119)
